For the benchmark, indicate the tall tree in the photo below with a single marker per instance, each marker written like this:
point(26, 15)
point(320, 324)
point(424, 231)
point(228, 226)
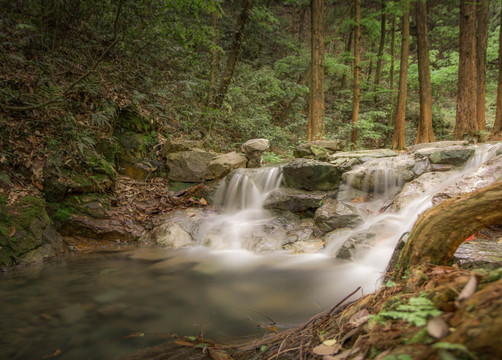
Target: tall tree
point(378, 70)
point(425, 132)
point(357, 71)
point(233, 55)
point(215, 57)
point(466, 122)
point(481, 41)
point(496, 133)
point(316, 103)
point(391, 72)
point(398, 142)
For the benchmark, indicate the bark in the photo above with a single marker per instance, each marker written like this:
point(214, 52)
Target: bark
point(440, 230)
point(316, 103)
point(215, 60)
point(398, 142)
point(357, 71)
point(466, 123)
point(391, 73)
point(481, 41)
point(381, 45)
point(497, 125)
point(233, 56)
point(425, 133)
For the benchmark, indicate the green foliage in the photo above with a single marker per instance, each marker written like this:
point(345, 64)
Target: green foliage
point(416, 312)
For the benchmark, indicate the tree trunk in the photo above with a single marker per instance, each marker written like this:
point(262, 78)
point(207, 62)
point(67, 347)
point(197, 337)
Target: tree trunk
point(348, 49)
point(380, 52)
point(425, 134)
point(398, 142)
point(215, 60)
point(440, 230)
point(316, 103)
point(497, 125)
point(233, 56)
point(481, 40)
point(391, 75)
point(466, 123)
point(357, 71)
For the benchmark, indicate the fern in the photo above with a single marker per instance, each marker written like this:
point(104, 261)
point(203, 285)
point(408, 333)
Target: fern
point(416, 312)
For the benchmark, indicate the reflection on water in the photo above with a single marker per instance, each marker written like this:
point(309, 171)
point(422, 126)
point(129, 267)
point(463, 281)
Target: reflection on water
point(102, 306)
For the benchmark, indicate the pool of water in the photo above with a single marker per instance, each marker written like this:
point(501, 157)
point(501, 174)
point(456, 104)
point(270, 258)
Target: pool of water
point(103, 306)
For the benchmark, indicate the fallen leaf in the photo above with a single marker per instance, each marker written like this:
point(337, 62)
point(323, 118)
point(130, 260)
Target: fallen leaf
point(470, 237)
point(12, 232)
point(437, 328)
point(203, 201)
point(326, 349)
point(359, 318)
point(184, 343)
point(219, 355)
point(135, 335)
point(54, 354)
point(359, 199)
point(469, 289)
point(329, 342)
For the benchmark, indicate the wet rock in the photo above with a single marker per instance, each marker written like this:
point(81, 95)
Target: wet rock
point(188, 166)
point(436, 145)
point(312, 175)
point(253, 150)
point(417, 188)
point(100, 229)
point(334, 214)
point(356, 246)
point(363, 155)
point(317, 148)
point(305, 247)
point(486, 253)
point(178, 145)
point(171, 235)
point(293, 200)
point(485, 175)
point(456, 156)
point(223, 164)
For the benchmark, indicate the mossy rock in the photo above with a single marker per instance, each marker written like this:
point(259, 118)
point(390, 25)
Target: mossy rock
point(130, 119)
point(25, 227)
point(93, 205)
point(133, 148)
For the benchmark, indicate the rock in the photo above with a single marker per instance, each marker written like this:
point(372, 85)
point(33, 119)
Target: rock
point(100, 229)
point(334, 214)
point(138, 171)
point(485, 175)
point(293, 200)
point(171, 235)
point(317, 147)
point(363, 155)
point(132, 148)
point(486, 253)
point(418, 188)
point(178, 145)
point(436, 145)
point(188, 166)
point(130, 119)
point(305, 247)
point(456, 156)
point(253, 150)
point(312, 175)
point(383, 175)
point(223, 164)
point(356, 245)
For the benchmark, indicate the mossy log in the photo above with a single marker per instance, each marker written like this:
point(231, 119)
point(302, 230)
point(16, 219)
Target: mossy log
point(440, 230)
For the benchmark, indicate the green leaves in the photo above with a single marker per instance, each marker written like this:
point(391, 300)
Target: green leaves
point(416, 312)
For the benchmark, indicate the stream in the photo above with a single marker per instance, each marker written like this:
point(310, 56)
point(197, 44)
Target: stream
point(107, 305)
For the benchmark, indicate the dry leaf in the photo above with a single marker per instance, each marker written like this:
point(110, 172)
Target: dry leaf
point(329, 342)
point(437, 328)
point(359, 318)
point(219, 355)
point(469, 289)
point(184, 343)
point(54, 354)
point(135, 335)
point(326, 350)
point(12, 232)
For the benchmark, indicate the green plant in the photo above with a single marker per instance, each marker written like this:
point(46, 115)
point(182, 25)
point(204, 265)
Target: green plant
point(416, 312)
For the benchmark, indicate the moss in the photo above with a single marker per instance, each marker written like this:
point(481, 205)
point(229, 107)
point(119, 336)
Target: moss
point(131, 120)
point(29, 209)
point(100, 165)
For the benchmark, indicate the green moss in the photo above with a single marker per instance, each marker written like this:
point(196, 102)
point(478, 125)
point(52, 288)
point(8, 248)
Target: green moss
point(63, 213)
point(100, 165)
point(29, 209)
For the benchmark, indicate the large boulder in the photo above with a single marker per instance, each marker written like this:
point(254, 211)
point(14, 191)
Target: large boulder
point(437, 145)
point(223, 164)
point(456, 156)
point(178, 145)
point(311, 175)
point(356, 246)
point(484, 176)
point(293, 199)
point(188, 166)
point(334, 214)
point(171, 235)
point(254, 149)
point(363, 155)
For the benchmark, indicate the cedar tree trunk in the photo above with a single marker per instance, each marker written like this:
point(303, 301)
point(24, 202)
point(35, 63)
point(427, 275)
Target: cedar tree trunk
point(425, 133)
point(497, 125)
point(481, 40)
point(466, 122)
point(381, 45)
point(398, 142)
point(316, 103)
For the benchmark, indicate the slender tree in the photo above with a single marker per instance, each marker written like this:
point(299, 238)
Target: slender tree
point(316, 103)
point(496, 133)
point(378, 70)
point(391, 72)
point(425, 132)
point(398, 142)
point(215, 58)
point(233, 55)
point(466, 122)
point(481, 42)
point(357, 71)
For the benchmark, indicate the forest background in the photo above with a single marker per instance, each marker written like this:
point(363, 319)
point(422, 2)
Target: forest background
point(70, 70)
